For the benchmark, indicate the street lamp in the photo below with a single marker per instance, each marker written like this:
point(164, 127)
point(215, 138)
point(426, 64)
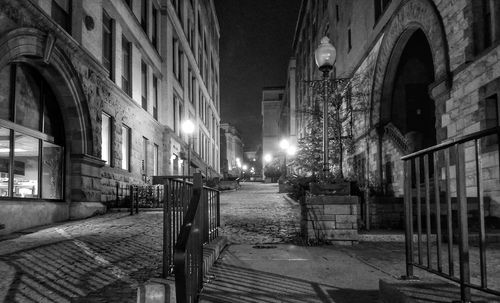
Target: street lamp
point(187, 127)
point(325, 56)
point(288, 149)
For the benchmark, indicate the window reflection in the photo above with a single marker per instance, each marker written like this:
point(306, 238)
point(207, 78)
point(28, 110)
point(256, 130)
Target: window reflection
point(25, 166)
point(27, 98)
point(4, 161)
point(52, 156)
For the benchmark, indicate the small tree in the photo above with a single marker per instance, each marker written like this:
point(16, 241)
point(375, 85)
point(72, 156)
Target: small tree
point(273, 170)
point(344, 104)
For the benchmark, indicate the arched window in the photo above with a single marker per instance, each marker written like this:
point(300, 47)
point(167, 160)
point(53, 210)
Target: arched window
point(31, 136)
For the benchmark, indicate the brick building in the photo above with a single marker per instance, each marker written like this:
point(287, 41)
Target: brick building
point(92, 93)
point(428, 72)
point(272, 98)
point(231, 150)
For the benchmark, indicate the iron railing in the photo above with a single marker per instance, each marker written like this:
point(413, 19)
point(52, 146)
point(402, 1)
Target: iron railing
point(448, 178)
point(200, 226)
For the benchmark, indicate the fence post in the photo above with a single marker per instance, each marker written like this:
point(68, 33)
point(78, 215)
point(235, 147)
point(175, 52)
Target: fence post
point(117, 199)
point(462, 224)
point(167, 227)
point(131, 194)
point(408, 221)
point(137, 200)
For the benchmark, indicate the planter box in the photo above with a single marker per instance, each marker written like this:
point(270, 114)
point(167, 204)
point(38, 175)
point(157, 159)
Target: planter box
point(336, 189)
point(330, 219)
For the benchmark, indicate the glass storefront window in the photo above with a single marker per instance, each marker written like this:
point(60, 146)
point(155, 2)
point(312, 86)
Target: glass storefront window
point(52, 156)
point(26, 162)
point(4, 161)
point(31, 160)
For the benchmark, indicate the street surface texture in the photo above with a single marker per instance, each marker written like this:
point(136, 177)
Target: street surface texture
point(257, 213)
point(101, 259)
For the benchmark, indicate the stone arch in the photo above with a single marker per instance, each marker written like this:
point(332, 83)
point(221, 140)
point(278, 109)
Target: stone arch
point(411, 15)
point(31, 46)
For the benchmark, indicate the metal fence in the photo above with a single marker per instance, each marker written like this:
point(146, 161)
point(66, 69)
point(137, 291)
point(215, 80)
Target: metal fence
point(200, 226)
point(137, 196)
point(445, 194)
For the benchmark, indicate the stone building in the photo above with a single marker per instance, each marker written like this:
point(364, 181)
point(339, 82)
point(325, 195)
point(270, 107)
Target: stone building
point(92, 93)
point(428, 72)
point(231, 151)
point(272, 98)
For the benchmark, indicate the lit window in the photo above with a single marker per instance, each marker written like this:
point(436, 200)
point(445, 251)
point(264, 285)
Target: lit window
point(106, 138)
point(125, 147)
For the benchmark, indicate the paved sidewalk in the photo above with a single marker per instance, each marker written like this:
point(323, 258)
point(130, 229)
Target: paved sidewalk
point(101, 259)
point(257, 213)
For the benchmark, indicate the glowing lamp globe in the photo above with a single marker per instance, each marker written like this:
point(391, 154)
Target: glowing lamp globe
point(325, 55)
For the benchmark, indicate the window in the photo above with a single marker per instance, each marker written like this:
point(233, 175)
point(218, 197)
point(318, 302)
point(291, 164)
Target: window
point(155, 97)
point(487, 23)
point(154, 33)
point(337, 14)
point(61, 13)
point(107, 43)
point(31, 148)
point(144, 85)
point(144, 16)
point(126, 66)
point(176, 115)
point(190, 85)
point(155, 160)
point(380, 7)
point(106, 138)
point(144, 161)
point(126, 147)
point(349, 40)
point(176, 59)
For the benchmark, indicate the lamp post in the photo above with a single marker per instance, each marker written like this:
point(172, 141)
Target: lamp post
point(325, 56)
point(284, 145)
point(187, 127)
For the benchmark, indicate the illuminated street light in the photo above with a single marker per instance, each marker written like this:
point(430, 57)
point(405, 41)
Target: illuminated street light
point(268, 158)
point(292, 150)
point(188, 127)
point(284, 144)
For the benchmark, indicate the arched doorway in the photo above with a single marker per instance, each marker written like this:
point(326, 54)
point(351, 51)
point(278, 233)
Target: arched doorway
point(412, 109)
point(31, 136)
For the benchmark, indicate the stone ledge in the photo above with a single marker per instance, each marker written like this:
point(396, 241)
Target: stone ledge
point(81, 210)
point(329, 199)
point(429, 290)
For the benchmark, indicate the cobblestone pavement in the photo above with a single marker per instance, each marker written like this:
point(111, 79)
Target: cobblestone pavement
point(257, 213)
point(102, 259)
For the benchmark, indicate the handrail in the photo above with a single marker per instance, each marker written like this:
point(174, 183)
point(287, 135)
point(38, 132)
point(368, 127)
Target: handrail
point(397, 137)
point(181, 254)
point(188, 252)
point(423, 198)
point(451, 142)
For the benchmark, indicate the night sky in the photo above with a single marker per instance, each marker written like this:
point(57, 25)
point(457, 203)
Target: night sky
point(255, 47)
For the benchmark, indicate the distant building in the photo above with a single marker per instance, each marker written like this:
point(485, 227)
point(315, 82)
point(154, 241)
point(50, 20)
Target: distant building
point(93, 93)
point(231, 150)
point(288, 123)
point(272, 97)
point(429, 72)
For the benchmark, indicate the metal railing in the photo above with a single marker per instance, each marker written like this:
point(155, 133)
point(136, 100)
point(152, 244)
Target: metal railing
point(175, 204)
point(200, 226)
point(457, 194)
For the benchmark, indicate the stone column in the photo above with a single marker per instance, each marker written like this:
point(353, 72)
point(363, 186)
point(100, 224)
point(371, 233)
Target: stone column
point(85, 186)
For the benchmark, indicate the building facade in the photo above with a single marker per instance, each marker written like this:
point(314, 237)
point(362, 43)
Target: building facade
point(231, 154)
point(427, 72)
point(93, 94)
point(272, 98)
